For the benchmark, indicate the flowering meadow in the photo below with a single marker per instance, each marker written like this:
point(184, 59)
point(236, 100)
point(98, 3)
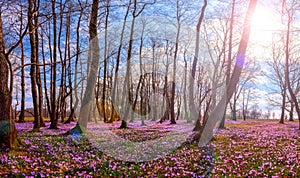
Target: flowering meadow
point(258, 149)
point(250, 148)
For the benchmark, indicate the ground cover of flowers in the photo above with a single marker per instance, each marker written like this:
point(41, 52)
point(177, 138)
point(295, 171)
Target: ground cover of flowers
point(245, 148)
point(258, 149)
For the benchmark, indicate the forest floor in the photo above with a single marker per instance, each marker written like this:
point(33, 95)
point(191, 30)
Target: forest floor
point(250, 148)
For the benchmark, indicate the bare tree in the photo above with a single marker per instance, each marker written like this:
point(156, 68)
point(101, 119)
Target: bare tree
point(277, 78)
point(229, 58)
point(53, 102)
point(105, 58)
point(74, 90)
point(290, 13)
point(93, 67)
point(206, 133)
point(178, 19)
point(33, 25)
point(245, 102)
point(194, 65)
point(8, 134)
point(119, 54)
point(127, 93)
point(22, 110)
point(245, 83)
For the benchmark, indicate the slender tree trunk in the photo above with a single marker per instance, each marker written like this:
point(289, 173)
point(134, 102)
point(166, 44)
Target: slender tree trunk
point(194, 65)
point(287, 63)
point(233, 107)
point(126, 90)
point(40, 96)
point(141, 82)
point(53, 114)
point(69, 67)
point(38, 72)
point(62, 88)
point(228, 69)
point(292, 112)
point(234, 112)
point(216, 115)
point(47, 108)
point(22, 111)
point(283, 104)
point(94, 56)
point(32, 10)
point(103, 98)
point(75, 89)
point(153, 79)
point(174, 66)
point(166, 86)
point(118, 58)
point(245, 105)
point(185, 106)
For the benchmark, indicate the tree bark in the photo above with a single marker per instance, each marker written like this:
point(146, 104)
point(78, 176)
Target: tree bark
point(228, 69)
point(93, 57)
point(291, 118)
point(8, 133)
point(119, 56)
point(126, 90)
point(32, 12)
point(75, 89)
point(22, 111)
point(172, 107)
point(216, 115)
point(53, 113)
point(283, 104)
point(192, 106)
point(287, 63)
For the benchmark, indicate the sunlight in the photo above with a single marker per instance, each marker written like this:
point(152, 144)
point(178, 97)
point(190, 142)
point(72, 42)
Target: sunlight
point(265, 23)
point(263, 19)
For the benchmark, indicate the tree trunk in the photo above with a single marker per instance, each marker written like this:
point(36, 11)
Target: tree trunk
point(192, 106)
point(118, 57)
point(228, 69)
point(292, 112)
point(75, 89)
point(32, 8)
point(234, 111)
point(185, 106)
point(69, 68)
point(38, 72)
point(8, 133)
point(105, 117)
point(287, 63)
point(126, 90)
point(53, 113)
point(283, 105)
point(172, 107)
point(22, 111)
point(217, 114)
point(93, 57)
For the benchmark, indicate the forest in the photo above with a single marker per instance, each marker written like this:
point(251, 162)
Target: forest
point(149, 88)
